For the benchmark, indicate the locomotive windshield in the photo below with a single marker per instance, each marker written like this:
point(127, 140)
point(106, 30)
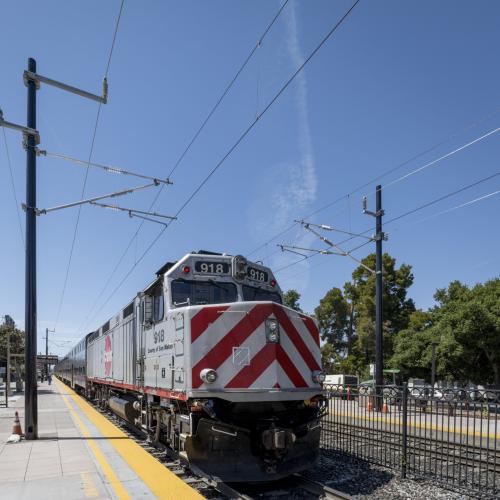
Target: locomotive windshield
point(202, 292)
point(252, 294)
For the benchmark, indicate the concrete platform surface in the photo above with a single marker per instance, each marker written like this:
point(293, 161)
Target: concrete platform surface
point(79, 455)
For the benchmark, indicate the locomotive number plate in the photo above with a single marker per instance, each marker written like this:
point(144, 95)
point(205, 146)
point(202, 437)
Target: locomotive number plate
point(208, 267)
point(255, 274)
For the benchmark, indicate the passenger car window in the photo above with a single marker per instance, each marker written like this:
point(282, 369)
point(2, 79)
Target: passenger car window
point(254, 294)
point(190, 292)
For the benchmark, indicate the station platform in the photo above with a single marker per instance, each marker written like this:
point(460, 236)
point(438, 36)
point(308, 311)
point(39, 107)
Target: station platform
point(79, 455)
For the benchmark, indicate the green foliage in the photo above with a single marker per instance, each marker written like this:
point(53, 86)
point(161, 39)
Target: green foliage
point(347, 318)
point(333, 318)
point(465, 326)
point(291, 299)
point(16, 341)
point(397, 308)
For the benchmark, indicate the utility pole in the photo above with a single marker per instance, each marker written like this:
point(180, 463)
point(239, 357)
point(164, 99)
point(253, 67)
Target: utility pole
point(433, 366)
point(379, 337)
point(7, 374)
point(379, 334)
point(33, 80)
point(47, 351)
point(31, 399)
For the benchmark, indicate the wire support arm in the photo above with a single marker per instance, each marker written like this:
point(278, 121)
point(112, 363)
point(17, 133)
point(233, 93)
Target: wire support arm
point(293, 249)
point(26, 131)
point(132, 214)
point(133, 210)
point(107, 168)
point(330, 228)
point(43, 211)
point(103, 98)
point(343, 252)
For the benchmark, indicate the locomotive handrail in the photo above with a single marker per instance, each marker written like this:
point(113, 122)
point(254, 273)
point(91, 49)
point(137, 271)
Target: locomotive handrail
point(232, 311)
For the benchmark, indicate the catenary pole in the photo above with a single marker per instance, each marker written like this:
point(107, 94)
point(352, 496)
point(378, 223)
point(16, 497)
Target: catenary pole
point(379, 340)
point(46, 353)
point(7, 374)
point(31, 401)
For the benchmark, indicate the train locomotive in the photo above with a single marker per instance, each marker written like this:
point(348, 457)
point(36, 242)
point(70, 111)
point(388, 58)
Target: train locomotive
point(208, 361)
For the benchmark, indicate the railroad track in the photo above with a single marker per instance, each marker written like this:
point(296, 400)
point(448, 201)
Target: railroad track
point(358, 437)
point(296, 486)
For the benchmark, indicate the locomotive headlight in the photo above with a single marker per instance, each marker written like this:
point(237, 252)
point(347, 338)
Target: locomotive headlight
point(318, 377)
point(208, 375)
point(272, 331)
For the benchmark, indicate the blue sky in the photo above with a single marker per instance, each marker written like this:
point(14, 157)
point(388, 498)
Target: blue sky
point(396, 79)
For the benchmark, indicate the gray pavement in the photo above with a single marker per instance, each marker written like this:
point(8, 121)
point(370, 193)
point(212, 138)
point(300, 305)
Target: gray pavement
point(61, 464)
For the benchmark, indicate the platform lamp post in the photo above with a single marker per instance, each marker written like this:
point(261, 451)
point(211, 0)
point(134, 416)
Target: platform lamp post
point(47, 351)
point(433, 365)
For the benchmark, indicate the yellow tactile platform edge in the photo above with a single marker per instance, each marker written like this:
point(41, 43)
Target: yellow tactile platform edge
point(162, 483)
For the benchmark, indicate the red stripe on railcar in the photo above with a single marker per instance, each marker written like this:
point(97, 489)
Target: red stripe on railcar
point(249, 374)
point(203, 319)
point(296, 339)
point(235, 337)
point(311, 328)
point(292, 373)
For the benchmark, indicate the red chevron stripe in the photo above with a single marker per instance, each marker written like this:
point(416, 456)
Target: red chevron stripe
point(234, 338)
point(248, 375)
point(292, 372)
point(296, 339)
point(311, 327)
point(260, 362)
point(203, 319)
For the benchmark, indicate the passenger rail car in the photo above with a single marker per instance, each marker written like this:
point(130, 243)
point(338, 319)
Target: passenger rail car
point(208, 360)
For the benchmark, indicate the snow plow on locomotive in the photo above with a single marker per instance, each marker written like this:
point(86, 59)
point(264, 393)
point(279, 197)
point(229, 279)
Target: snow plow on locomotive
point(208, 361)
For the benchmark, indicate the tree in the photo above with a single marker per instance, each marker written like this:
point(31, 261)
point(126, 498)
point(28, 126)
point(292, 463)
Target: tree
point(291, 299)
point(465, 326)
point(333, 319)
point(16, 341)
point(413, 346)
point(16, 345)
point(397, 308)
point(347, 318)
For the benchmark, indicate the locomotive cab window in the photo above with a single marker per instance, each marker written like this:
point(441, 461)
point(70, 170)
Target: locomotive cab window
point(158, 308)
point(253, 294)
point(190, 292)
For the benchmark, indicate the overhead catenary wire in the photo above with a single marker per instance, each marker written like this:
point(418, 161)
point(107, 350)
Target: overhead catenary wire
point(187, 148)
point(233, 147)
point(437, 214)
point(447, 155)
point(18, 211)
point(94, 133)
point(406, 214)
point(457, 207)
point(391, 170)
point(399, 179)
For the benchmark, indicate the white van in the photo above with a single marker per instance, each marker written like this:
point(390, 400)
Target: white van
point(340, 379)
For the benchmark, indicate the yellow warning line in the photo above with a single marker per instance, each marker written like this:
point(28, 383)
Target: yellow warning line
point(464, 431)
point(163, 483)
point(117, 486)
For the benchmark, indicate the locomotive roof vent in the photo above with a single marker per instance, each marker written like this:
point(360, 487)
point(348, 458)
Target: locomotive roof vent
point(206, 252)
point(163, 269)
